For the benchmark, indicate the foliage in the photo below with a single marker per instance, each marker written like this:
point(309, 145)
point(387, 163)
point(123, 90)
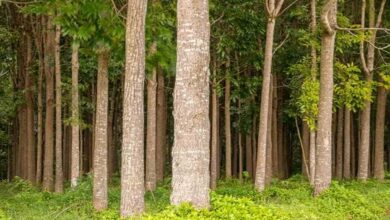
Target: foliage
point(350, 90)
point(289, 199)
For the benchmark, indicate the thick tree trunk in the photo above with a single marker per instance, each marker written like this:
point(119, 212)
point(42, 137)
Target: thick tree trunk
point(150, 175)
point(228, 135)
point(191, 149)
point(161, 126)
point(379, 172)
point(132, 170)
point(59, 180)
point(339, 145)
point(100, 193)
point(323, 174)
point(347, 144)
point(48, 173)
point(260, 179)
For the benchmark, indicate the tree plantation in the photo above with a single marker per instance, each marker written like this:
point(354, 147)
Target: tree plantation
point(194, 109)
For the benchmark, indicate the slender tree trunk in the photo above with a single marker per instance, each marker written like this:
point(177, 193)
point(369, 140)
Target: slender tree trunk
point(306, 147)
point(260, 179)
point(30, 113)
point(161, 126)
point(268, 165)
point(379, 172)
point(312, 163)
point(59, 180)
point(347, 144)
point(339, 147)
point(214, 134)
point(132, 170)
point(100, 194)
point(228, 134)
point(48, 179)
point(191, 149)
point(249, 154)
point(353, 148)
point(75, 147)
point(40, 119)
point(110, 133)
point(334, 140)
point(274, 128)
point(150, 175)
point(323, 174)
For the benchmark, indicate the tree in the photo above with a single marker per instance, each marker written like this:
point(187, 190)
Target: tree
point(273, 9)
point(132, 173)
point(48, 178)
point(59, 180)
point(191, 149)
point(323, 170)
point(75, 155)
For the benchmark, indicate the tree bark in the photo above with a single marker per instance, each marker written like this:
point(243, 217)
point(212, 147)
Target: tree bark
point(249, 154)
point(379, 172)
point(228, 134)
point(40, 116)
point(339, 147)
point(30, 113)
point(312, 160)
point(323, 172)
point(268, 165)
point(75, 147)
point(48, 168)
point(191, 149)
point(100, 193)
point(260, 179)
point(161, 126)
point(347, 144)
point(214, 134)
point(150, 175)
point(306, 148)
point(132, 170)
point(59, 180)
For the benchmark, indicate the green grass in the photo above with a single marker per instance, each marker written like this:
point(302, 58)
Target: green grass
point(290, 199)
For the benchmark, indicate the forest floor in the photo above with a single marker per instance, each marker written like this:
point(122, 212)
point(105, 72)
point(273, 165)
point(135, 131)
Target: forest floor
point(288, 199)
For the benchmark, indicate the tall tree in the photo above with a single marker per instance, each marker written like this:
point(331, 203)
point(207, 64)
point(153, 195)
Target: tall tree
point(59, 180)
point(48, 178)
point(100, 172)
point(323, 170)
point(150, 175)
point(228, 133)
point(191, 149)
point(273, 9)
point(379, 172)
point(161, 126)
point(75, 151)
point(368, 61)
point(132, 182)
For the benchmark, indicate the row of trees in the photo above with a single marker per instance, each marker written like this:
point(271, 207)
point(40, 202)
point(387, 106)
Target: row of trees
point(312, 114)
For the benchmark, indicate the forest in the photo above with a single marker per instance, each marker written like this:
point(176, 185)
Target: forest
point(194, 109)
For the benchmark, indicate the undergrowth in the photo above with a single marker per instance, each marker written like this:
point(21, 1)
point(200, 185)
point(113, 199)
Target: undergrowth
point(289, 199)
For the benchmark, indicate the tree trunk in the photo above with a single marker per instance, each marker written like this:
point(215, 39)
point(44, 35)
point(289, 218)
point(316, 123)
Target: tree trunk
point(347, 144)
point(214, 134)
point(132, 170)
point(161, 125)
point(268, 165)
point(150, 175)
point(40, 118)
point(191, 149)
point(306, 148)
point(339, 147)
point(312, 160)
point(323, 174)
point(274, 128)
point(75, 147)
point(30, 113)
point(100, 194)
point(260, 179)
point(379, 172)
point(353, 147)
point(228, 134)
point(48, 178)
point(249, 155)
point(59, 180)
